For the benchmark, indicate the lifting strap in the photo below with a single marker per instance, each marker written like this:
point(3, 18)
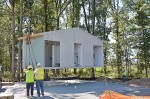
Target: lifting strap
point(30, 55)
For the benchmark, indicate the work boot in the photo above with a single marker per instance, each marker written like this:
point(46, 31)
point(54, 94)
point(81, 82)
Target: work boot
point(43, 94)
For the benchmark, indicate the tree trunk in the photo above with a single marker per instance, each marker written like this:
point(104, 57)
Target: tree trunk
point(45, 15)
point(46, 73)
point(13, 42)
point(118, 46)
point(105, 46)
point(58, 28)
point(93, 31)
point(46, 28)
point(20, 45)
point(145, 53)
point(75, 71)
point(93, 18)
point(85, 16)
point(93, 73)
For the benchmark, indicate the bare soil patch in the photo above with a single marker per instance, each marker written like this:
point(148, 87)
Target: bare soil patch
point(143, 82)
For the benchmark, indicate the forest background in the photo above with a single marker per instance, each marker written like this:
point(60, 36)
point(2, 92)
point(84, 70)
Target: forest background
point(123, 25)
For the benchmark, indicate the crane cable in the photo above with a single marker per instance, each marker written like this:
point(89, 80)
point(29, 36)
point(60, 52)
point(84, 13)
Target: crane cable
point(107, 85)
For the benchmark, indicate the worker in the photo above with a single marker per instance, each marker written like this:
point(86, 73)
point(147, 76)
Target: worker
point(123, 74)
point(39, 77)
point(29, 80)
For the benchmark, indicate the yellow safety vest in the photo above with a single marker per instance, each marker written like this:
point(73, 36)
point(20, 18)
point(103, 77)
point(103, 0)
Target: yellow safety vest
point(29, 76)
point(124, 72)
point(39, 74)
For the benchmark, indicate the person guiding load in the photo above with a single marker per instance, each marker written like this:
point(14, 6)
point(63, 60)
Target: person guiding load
point(29, 80)
point(123, 74)
point(39, 77)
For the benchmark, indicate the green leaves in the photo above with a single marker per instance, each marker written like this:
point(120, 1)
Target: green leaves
point(128, 26)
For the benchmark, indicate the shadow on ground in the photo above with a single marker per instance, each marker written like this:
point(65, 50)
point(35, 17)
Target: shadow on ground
point(45, 97)
point(2, 90)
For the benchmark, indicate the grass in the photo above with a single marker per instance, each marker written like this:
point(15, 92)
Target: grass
point(87, 73)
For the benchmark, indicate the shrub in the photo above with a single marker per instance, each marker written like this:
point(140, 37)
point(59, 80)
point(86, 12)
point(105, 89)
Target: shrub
point(6, 76)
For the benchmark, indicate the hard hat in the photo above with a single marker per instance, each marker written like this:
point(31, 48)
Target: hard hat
point(30, 67)
point(38, 64)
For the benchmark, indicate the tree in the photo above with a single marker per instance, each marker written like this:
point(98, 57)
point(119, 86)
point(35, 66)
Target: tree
point(20, 45)
point(142, 21)
point(60, 6)
point(101, 29)
point(117, 14)
point(12, 2)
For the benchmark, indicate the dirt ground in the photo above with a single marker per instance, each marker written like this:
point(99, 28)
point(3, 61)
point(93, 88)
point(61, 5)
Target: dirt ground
point(143, 82)
point(81, 89)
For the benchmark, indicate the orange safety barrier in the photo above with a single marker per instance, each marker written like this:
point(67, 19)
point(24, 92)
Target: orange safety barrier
point(116, 95)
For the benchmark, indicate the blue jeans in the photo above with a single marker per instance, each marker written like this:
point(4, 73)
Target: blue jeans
point(123, 78)
point(40, 87)
point(28, 86)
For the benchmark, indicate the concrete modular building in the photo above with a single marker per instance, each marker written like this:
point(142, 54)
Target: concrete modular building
point(69, 48)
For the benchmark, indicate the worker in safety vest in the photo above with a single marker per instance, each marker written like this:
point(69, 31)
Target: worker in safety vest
point(123, 74)
point(29, 80)
point(39, 77)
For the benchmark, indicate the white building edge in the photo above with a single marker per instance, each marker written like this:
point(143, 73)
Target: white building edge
point(70, 48)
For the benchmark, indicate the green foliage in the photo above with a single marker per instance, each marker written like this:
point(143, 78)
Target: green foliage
point(7, 75)
point(47, 15)
point(66, 74)
point(143, 35)
point(132, 72)
point(138, 75)
point(141, 67)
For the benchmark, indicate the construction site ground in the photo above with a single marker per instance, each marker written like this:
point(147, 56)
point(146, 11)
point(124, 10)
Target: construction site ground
point(80, 89)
